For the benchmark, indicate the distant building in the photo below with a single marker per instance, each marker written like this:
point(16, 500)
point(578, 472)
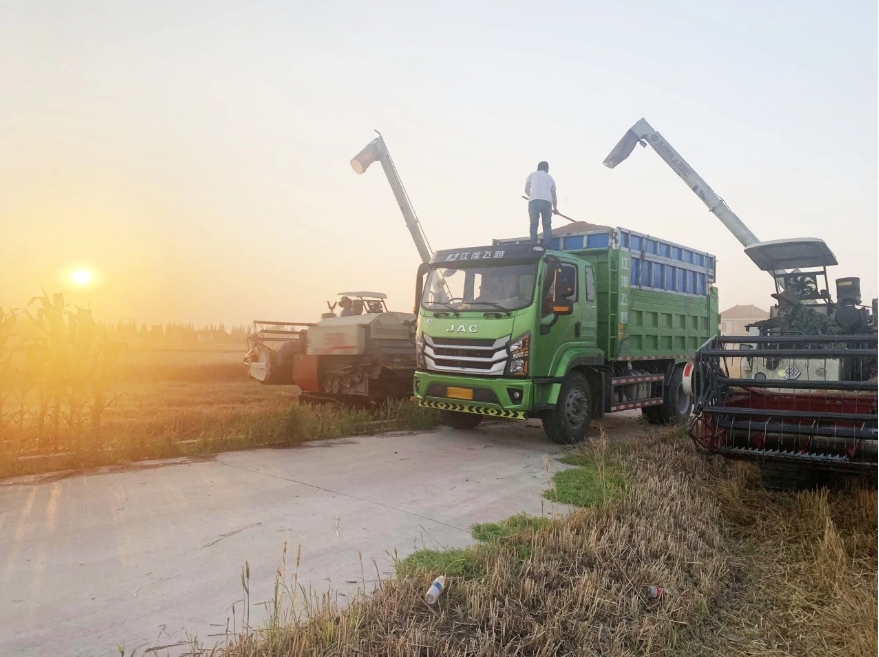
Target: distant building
point(733, 320)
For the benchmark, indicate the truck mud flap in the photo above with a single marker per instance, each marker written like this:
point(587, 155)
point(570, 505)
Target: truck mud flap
point(797, 399)
point(470, 408)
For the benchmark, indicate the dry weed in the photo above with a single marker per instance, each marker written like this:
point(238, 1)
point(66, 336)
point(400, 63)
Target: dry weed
point(806, 580)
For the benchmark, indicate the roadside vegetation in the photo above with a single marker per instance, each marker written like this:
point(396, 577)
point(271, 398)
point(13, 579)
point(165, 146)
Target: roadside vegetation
point(743, 572)
point(72, 395)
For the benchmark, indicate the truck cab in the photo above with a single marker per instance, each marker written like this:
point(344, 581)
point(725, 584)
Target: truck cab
point(496, 325)
point(602, 322)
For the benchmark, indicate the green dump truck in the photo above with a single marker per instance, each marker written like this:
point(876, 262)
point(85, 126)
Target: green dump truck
point(602, 321)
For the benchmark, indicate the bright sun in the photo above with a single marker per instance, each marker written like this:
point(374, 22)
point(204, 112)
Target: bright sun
point(81, 277)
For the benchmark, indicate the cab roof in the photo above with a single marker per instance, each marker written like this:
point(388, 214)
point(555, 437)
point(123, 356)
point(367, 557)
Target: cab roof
point(366, 295)
point(796, 253)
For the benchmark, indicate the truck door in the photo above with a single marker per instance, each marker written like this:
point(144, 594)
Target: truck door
point(588, 307)
point(561, 283)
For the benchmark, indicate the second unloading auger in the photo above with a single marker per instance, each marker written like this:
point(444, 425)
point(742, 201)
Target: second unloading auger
point(799, 395)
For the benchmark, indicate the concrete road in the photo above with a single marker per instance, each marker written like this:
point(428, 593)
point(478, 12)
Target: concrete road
point(151, 554)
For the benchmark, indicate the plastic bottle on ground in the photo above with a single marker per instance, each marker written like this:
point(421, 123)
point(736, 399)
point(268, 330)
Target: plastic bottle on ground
point(435, 589)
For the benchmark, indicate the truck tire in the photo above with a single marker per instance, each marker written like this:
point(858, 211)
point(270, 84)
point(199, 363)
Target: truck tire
point(461, 421)
point(568, 422)
point(676, 405)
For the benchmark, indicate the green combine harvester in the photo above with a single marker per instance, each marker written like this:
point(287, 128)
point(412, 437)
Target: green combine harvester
point(798, 395)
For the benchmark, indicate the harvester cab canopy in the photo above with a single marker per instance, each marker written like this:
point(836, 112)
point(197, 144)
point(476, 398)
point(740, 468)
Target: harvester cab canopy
point(797, 253)
point(798, 266)
point(370, 302)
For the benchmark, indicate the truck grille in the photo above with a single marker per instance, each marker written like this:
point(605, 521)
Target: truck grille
point(474, 353)
point(463, 356)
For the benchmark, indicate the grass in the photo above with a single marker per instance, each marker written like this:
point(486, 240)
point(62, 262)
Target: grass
point(510, 529)
point(593, 481)
point(472, 562)
point(461, 563)
point(749, 572)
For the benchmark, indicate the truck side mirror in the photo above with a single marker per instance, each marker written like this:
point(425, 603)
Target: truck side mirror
point(423, 268)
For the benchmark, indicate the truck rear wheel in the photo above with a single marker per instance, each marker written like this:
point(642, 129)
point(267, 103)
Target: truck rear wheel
point(676, 404)
point(458, 420)
point(568, 422)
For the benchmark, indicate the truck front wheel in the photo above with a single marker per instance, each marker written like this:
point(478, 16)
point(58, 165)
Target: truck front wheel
point(568, 422)
point(676, 404)
point(458, 420)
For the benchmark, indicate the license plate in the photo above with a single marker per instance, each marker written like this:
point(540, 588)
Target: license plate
point(459, 393)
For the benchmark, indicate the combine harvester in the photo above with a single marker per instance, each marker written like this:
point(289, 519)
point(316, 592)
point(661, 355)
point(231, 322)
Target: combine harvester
point(803, 400)
point(363, 358)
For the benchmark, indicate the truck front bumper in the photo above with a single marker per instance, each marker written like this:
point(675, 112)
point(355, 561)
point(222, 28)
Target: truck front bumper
point(493, 397)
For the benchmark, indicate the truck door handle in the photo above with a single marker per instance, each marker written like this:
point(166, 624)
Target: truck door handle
point(577, 330)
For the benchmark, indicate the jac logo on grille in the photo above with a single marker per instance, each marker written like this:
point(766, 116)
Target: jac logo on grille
point(460, 328)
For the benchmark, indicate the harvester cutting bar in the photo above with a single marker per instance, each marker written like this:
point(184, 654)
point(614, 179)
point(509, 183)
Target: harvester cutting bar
point(803, 430)
point(820, 461)
point(796, 414)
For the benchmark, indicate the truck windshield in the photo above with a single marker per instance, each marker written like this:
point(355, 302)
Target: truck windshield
point(491, 287)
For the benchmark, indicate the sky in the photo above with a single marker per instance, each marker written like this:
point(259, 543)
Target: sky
point(195, 156)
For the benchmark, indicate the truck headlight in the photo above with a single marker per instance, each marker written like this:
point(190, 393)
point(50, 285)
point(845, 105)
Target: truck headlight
point(419, 352)
point(520, 355)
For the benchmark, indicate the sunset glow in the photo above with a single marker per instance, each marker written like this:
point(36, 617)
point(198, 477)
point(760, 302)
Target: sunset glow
point(81, 277)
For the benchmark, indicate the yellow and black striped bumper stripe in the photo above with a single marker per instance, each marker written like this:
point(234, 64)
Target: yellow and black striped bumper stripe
point(467, 408)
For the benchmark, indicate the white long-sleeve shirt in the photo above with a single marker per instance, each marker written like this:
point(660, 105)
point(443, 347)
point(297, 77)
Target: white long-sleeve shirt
point(540, 185)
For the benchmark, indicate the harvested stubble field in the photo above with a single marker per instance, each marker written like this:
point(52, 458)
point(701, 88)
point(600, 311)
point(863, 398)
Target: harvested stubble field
point(177, 401)
point(746, 572)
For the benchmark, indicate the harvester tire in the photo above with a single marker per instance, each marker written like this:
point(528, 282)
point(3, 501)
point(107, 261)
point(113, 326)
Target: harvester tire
point(676, 405)
point(461, 421)
point(568, 422)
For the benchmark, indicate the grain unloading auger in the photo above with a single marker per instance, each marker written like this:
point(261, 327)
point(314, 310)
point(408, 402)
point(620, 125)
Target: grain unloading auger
point(798, 395)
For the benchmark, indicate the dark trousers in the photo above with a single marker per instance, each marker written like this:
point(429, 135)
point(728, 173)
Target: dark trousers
point(536, 209)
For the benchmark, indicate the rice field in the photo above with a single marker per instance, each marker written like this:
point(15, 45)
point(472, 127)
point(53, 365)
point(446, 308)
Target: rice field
point(114, 403)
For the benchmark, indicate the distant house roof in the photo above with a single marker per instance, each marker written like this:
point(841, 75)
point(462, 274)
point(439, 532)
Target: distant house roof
point(744, 312)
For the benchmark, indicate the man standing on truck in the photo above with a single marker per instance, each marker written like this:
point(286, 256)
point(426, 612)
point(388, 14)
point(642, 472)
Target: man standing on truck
point(542, 201)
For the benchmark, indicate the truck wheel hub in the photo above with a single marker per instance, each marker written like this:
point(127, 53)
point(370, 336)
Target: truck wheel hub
point(575, 408)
